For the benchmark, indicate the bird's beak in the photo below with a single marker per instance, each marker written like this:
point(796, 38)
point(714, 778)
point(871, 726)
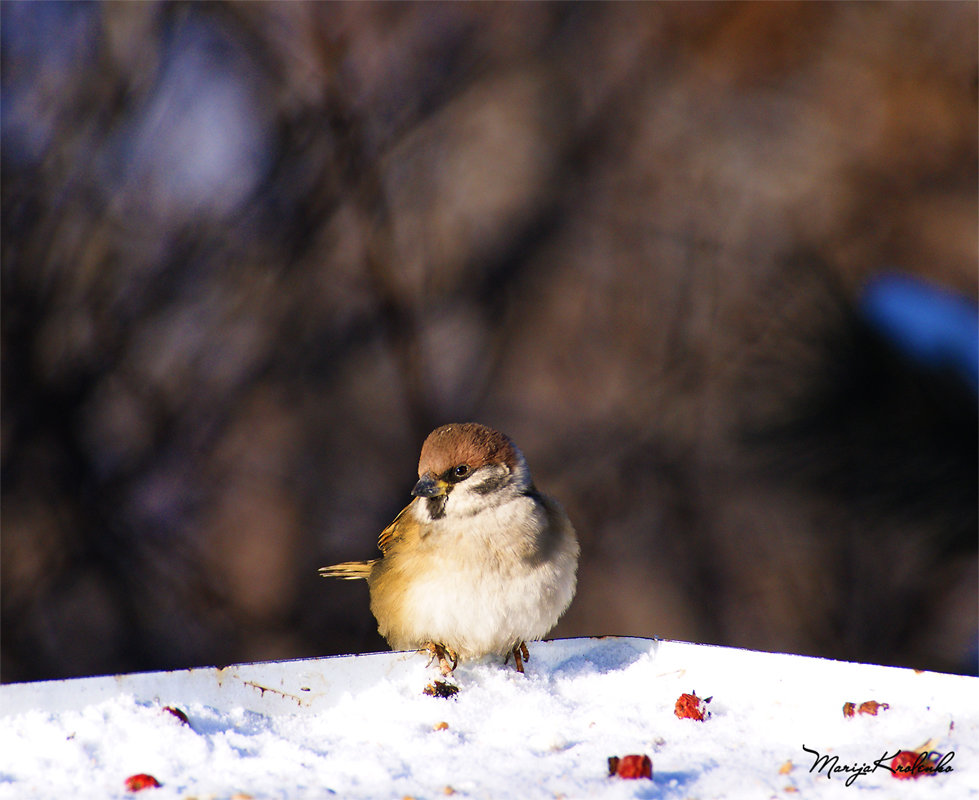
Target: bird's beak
point(430, 486)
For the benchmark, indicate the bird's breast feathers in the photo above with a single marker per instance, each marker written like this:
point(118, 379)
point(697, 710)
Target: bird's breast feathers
point(475, 584)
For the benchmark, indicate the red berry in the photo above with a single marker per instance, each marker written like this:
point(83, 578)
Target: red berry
point(909, 764)
point(631, 767)
point(871, 707)
point(689, 706)
point(136, 783)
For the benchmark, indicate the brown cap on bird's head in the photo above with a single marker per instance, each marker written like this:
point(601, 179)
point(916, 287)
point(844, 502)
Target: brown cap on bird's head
point(466, 443)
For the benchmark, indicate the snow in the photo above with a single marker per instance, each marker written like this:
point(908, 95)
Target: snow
point(362, 727)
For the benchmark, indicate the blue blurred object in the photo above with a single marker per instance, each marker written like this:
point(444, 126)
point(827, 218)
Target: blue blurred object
point(932, 325)
point(43, 46)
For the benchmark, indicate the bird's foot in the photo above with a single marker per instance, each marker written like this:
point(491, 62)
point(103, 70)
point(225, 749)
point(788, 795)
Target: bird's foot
point(446, 657)
point(520, 655)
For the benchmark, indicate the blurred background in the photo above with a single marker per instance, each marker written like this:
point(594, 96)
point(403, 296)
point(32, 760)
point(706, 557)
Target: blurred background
point(712, 266)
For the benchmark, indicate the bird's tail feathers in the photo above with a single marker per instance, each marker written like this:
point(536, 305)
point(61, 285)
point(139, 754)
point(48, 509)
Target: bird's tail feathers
point(348, 570)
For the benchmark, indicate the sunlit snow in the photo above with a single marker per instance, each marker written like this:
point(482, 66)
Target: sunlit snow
point(363, 727)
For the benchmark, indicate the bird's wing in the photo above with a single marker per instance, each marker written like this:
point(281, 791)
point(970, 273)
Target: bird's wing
point(348, 570)
point(402, 525)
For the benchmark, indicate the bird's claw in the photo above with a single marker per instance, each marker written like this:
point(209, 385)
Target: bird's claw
point(446, 657)
point(520, 655)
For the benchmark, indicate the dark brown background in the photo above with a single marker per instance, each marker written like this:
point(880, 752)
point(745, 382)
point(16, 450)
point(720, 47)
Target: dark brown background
point(253, 253)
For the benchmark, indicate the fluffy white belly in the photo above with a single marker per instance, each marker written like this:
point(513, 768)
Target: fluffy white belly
point(478, 612)
point(477, 586)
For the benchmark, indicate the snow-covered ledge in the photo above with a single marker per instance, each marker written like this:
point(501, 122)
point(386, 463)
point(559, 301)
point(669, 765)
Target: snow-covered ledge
point(363, 727)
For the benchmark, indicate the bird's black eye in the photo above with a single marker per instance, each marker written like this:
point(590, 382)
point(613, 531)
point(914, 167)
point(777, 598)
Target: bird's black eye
point(461, 471)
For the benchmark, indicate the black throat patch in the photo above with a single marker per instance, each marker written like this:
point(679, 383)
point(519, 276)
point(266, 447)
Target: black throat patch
point(436, 506)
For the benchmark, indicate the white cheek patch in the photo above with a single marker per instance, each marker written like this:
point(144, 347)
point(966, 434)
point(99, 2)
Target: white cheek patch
point(489, 487)
point(491, 483)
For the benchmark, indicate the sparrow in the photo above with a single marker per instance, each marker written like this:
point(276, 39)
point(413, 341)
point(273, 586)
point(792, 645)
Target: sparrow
point(478, 563)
